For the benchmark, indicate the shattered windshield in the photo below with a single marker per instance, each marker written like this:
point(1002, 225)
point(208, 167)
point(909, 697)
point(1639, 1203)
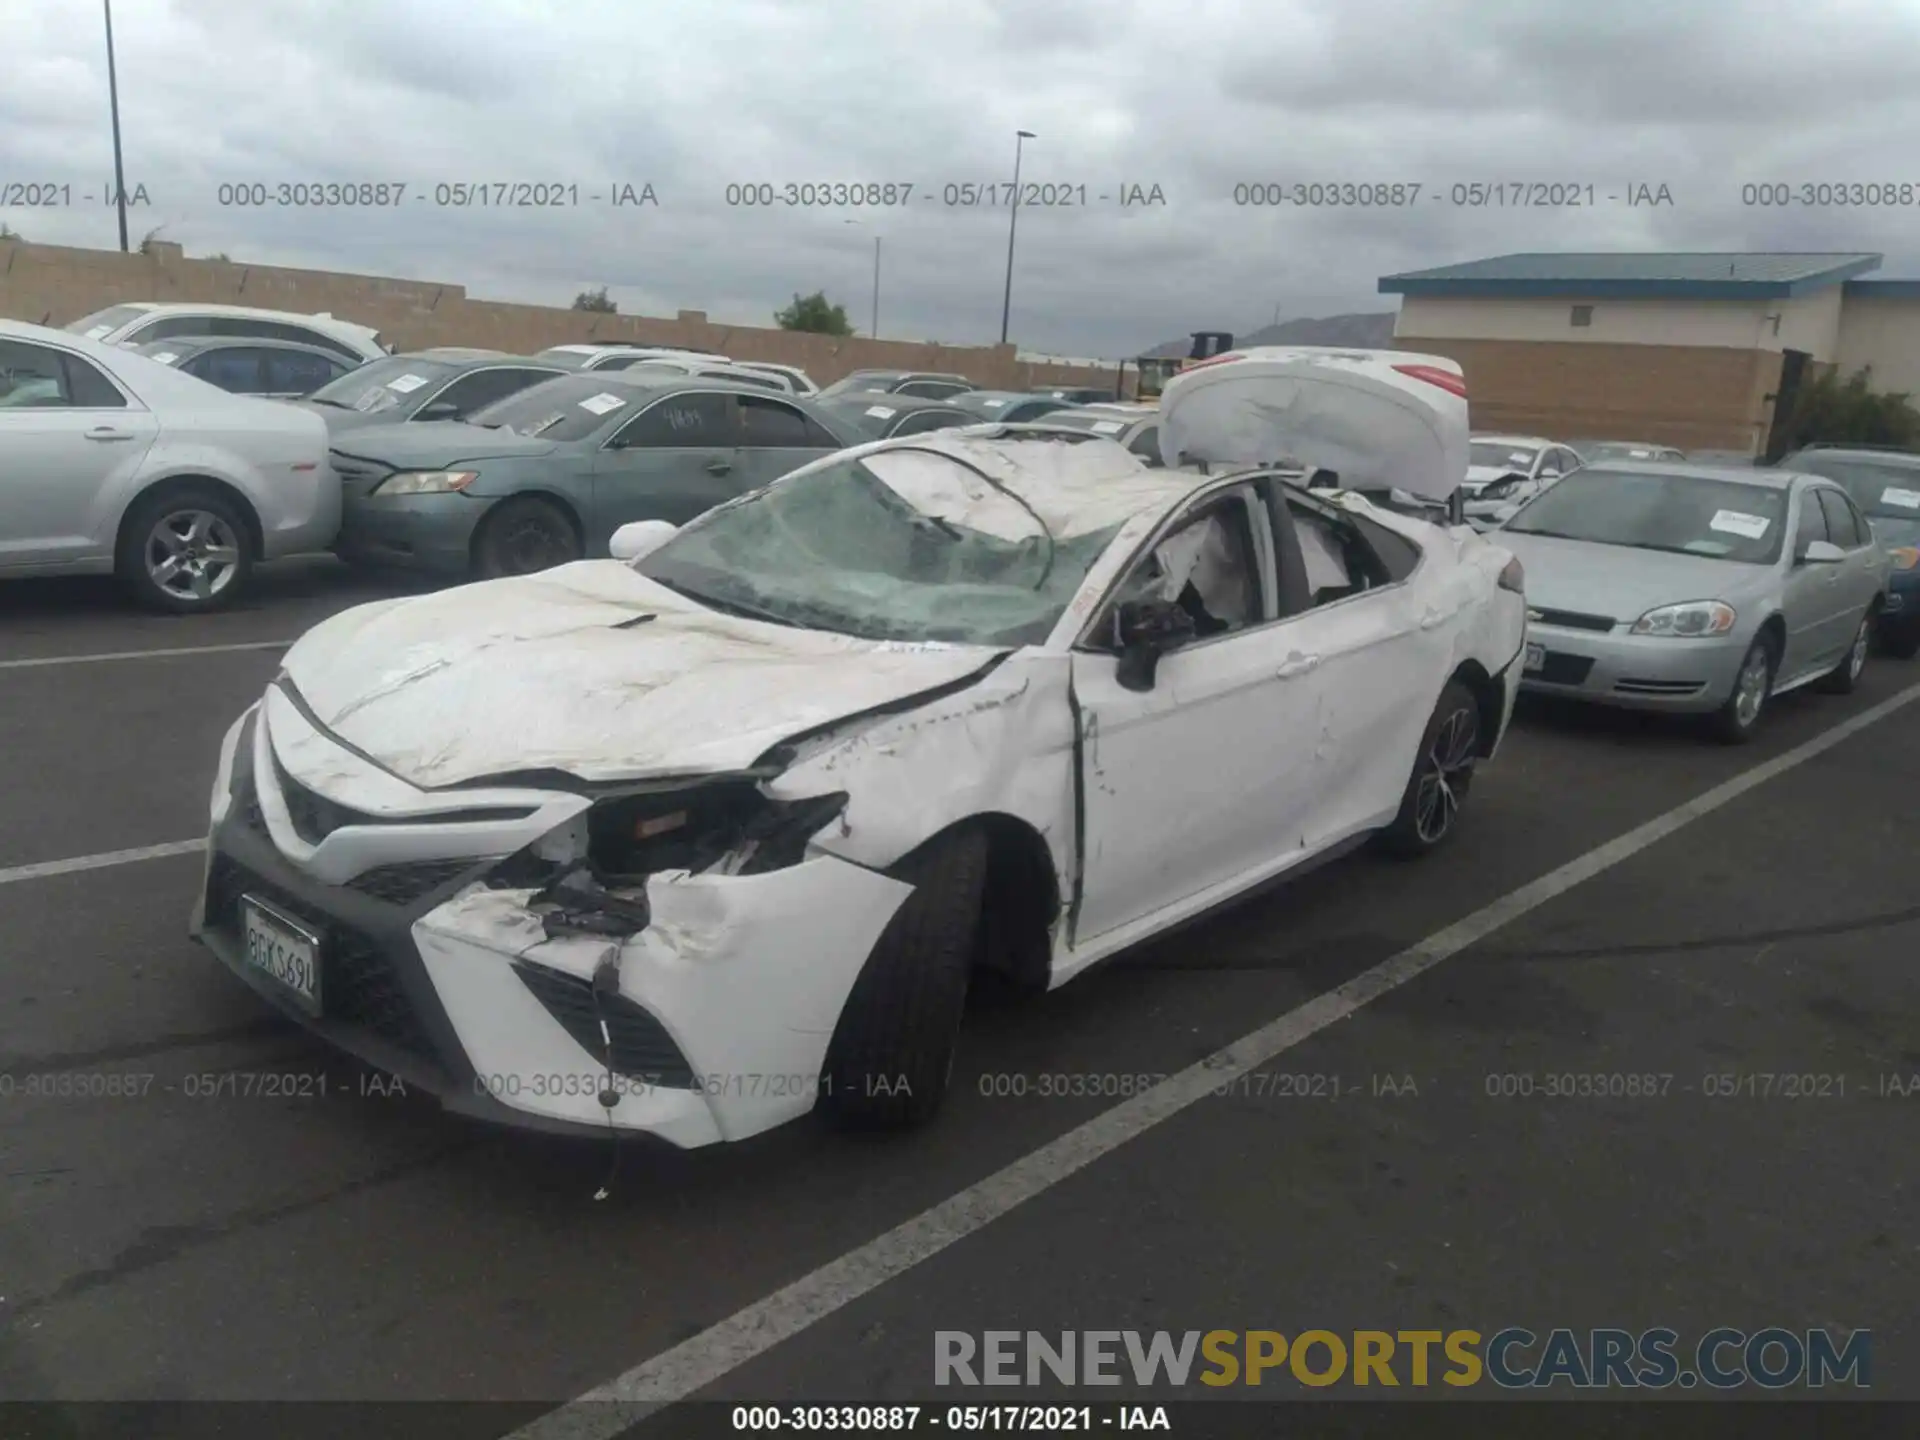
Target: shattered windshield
point(904, 545)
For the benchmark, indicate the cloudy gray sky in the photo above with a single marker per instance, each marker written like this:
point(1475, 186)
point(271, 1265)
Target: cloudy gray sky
point(1195, 98)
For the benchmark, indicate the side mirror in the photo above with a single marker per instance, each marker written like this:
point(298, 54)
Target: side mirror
point(1820, 552)
point(640, 539)
point(438, 410)
point(1143, 631)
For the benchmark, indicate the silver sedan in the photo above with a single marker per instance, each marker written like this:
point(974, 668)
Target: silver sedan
point(1695, 589)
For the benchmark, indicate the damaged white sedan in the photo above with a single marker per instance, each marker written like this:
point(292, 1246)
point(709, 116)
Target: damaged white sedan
point(696, 840)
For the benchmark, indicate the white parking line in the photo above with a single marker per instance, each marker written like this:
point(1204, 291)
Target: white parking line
point(691, 1366)
point(100, 861)
point(143, 654)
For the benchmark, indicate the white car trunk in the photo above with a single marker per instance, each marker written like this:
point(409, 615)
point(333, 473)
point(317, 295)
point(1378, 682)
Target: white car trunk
point(1380, 419)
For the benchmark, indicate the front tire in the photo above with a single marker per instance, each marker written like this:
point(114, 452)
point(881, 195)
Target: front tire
point(1903, 642)
point(186, 550)
point(1844, 677)
point(1442, 775)
point(892, 1052)
point(523, 536)
point(1735, 722)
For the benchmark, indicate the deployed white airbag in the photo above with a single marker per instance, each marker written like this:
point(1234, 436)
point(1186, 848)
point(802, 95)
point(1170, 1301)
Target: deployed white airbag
point(1378, 418)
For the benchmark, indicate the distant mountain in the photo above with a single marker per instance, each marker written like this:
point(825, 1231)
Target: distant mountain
point(1373, 331)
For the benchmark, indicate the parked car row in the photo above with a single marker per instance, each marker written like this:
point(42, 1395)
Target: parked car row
point(456, 460)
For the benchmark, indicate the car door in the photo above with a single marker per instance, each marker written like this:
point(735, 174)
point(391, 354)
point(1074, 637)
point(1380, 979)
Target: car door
point(1860, 578)
point(776, 436)
point(1814, 606)
point(1357, 645)
point(1189, 786)
point(68, 436)
point(678, 458)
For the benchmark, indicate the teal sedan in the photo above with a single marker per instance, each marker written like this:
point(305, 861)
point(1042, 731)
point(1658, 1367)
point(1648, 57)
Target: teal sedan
point(546, 476)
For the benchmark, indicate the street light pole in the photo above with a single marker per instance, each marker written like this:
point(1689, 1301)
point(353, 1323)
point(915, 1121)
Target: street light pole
point(1013, 219)
point(876, 287)
point(113, 100)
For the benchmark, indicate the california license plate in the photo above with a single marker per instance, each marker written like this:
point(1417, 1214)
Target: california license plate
point(1536, 658)
point(287, 953)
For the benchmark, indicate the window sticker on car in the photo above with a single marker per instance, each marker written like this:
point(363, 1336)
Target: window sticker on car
point(993, 404)
point(97, 331)
point(166, 357)
point(406, 384)
point(1519, 457)
point(602, 403)
point(1736, 522)
point(371, 401)
point(882, 412)
point(1905, 499)
point(1108, 427)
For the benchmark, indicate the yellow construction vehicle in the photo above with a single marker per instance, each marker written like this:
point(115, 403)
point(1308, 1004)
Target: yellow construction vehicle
point(1152, 372)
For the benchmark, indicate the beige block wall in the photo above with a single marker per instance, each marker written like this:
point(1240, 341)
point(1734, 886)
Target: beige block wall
point(53, 284)
point(1694, 397)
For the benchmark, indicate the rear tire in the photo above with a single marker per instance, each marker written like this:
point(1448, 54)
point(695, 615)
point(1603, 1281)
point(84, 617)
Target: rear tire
point(1735, 722)
point(1842, 679)
point(1442, 775)
point(184, 549)
point(523, 536)
point(892, 1052)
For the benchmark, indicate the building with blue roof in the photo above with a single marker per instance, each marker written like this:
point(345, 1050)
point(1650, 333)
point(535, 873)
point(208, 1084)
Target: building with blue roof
point(1702, 350)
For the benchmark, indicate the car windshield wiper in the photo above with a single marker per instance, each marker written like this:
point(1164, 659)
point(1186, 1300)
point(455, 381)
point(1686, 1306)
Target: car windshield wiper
point(335, 404)
point(1556, 535)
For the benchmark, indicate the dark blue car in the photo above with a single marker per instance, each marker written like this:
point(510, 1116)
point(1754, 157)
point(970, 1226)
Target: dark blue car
point(1886, 485)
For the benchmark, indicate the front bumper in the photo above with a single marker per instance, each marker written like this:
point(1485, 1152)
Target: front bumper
point(1635, 672)
point(719, 1027)
point(417, 532)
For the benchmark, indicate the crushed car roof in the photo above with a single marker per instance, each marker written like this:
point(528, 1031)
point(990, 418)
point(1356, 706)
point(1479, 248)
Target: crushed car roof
point(1073, 486)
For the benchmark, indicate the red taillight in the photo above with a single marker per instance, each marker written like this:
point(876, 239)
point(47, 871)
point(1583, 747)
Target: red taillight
point(1453, 384)
point(1216, 360)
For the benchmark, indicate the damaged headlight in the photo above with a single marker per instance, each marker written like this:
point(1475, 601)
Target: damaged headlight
point(591, 874)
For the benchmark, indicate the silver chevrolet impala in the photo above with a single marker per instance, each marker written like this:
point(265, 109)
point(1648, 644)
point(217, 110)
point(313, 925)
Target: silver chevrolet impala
point(1696, 589)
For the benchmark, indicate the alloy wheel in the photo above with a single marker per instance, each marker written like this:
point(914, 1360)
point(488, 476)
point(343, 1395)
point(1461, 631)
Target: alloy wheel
point(1750, 690)
point(1857, 657)
point(1445, 770)
point(192, 554)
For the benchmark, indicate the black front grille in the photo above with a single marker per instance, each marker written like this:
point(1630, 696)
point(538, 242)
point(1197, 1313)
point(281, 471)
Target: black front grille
point(1562, 669)
point(359, 985)
point(1572, 620)
point(404, 884)
point(641, 1048)
point(314, 816)
point(1659, 687)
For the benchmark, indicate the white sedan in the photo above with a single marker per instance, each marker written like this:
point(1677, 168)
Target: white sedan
point(695, 840)
point(1506, 471)
point(112, 463)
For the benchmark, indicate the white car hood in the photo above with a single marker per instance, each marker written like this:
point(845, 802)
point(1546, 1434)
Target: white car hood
point(532, 674)
point(1378, 418)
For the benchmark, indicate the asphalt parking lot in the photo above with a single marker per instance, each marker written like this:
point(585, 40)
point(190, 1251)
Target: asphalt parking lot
point(171, 1244)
